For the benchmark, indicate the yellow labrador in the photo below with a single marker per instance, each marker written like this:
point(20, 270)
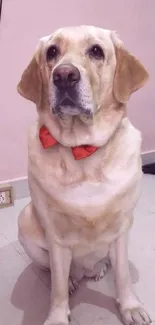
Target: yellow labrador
point(84, 164)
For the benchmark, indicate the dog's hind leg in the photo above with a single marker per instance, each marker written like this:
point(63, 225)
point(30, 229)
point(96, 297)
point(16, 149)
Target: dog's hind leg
point(31, 236)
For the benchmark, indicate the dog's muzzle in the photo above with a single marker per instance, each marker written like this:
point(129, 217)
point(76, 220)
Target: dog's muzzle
point(66, 79)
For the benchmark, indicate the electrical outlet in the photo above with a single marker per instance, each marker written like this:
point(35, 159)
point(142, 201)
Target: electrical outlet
point(2, 197)
point(6, 195)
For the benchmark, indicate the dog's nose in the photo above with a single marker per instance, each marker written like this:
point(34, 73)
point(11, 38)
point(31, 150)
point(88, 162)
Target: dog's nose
point(66, 76)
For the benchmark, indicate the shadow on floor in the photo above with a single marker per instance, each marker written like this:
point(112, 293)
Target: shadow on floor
point(32, 296)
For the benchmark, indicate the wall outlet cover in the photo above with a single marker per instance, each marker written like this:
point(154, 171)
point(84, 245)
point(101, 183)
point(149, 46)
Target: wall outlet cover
point(6, 195)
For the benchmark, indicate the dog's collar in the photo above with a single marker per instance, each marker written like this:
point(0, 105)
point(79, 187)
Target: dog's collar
point(79, 152)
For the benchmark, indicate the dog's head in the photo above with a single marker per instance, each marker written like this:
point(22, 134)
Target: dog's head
point(79, 71)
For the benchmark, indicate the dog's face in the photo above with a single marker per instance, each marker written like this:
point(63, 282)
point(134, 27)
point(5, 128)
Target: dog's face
point(80, 70)
point(82, 63)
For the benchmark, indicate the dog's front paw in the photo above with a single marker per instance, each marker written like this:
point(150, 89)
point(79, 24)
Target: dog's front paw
point(58, 315)
point(135, 316)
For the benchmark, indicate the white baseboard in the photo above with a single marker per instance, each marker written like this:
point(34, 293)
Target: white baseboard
point(148, 157)
point(21, 188)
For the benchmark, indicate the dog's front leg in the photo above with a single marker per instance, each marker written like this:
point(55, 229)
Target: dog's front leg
point(60, 260)
point(132, 311)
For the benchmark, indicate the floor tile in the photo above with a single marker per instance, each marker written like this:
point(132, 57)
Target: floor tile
point(19, 248)
point(3, 241)
point(146, 203)
point(107, 321)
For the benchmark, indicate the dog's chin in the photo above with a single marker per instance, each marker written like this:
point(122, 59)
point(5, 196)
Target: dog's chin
point(71, 110)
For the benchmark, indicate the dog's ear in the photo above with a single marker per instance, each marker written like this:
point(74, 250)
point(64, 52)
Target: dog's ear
point(30, 85)
point(130, 75)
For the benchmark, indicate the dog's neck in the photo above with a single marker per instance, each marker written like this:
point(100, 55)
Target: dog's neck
point(77, 131)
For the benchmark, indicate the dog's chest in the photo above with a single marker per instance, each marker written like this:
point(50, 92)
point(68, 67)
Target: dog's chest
point(83, 202)
point(83, 199)
point(84, 185)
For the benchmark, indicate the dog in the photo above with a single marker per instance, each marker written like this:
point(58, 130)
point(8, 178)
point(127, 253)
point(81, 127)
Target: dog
point(84, 164)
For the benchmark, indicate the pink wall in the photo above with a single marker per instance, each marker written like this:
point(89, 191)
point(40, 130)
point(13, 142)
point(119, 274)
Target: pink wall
point(23, 22)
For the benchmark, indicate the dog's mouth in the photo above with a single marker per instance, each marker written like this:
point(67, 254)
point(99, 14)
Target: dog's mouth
point(67, 102)
point(69, 105)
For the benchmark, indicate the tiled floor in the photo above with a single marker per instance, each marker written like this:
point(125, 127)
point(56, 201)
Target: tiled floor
point(24, 289)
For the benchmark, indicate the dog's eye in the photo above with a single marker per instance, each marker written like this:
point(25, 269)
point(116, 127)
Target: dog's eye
point(52, 52)
point(96, 52)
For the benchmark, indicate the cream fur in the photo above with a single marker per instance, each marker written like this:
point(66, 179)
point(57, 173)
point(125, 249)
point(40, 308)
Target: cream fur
point(81, 210)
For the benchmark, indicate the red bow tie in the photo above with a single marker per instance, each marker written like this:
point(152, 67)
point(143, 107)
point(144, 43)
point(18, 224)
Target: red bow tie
point(79, 152)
